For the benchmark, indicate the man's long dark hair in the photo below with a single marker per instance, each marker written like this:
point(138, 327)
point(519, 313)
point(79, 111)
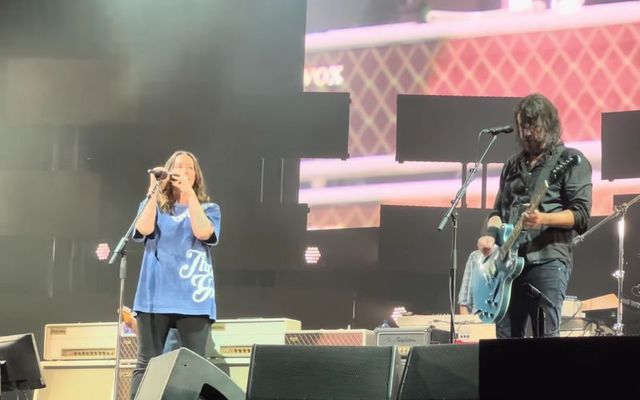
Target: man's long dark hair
point(537, 111)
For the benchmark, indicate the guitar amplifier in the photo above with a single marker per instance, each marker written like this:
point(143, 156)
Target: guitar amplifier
point(235, 337)
point(469, 328)
point(405, 338)
point(97, 341)
point(572, 307)
point(84, 379)
point(440, 321)
point(87, 341)
point(473, 333)
point(331, 337)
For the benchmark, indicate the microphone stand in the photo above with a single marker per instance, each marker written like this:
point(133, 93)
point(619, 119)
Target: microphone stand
point(121, 251)
point(539, 329)
point(451, 214)
point(618, 211)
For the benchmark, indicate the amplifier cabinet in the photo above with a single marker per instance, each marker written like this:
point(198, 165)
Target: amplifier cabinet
point(235, 337)
point(473, 333)
point(331, 337)
point(97, 341)
point(87, 341)
point(80, 357)
point(405, 338)
point(81, 380)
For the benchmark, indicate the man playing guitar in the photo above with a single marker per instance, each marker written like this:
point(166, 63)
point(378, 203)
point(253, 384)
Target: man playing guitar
point(545, 242)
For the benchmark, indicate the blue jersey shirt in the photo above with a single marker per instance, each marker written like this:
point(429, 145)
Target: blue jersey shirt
point(177, 268)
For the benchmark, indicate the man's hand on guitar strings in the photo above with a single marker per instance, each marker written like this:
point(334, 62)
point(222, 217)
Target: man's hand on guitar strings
point(533, 219)
point(486, 244)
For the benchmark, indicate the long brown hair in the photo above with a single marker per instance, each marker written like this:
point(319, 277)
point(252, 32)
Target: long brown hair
point(538, 111)
point(167, 197)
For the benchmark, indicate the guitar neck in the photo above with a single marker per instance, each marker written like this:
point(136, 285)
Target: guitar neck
point(536, 199)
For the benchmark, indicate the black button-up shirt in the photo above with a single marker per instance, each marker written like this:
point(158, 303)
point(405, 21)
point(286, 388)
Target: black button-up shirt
point(571, 191)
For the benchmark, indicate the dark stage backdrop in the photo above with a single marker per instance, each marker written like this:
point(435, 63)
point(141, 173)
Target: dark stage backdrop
point(95, 93)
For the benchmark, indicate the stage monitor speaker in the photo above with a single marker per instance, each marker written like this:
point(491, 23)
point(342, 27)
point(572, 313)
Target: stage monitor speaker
point(443, 371)
point(323, 372)
point(184, 375)
point(560, 368)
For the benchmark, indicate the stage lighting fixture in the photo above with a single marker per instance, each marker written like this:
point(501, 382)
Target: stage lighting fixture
point(312, 255)
point(102, 251)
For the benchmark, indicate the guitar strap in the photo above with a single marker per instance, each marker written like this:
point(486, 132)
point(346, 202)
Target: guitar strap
point(551, 164)
point(545, 173)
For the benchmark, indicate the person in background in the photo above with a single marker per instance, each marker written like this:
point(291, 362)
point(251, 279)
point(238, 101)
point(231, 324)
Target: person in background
point(465, 297)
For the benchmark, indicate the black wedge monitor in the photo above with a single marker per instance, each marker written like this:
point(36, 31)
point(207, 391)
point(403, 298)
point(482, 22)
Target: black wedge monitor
point(20, 363)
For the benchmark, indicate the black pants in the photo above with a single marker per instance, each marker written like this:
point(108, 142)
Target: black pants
point(194, 330)
point(551, 279)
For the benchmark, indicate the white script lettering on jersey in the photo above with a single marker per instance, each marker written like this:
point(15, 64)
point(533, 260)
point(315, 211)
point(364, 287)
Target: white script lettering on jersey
point(199, 272)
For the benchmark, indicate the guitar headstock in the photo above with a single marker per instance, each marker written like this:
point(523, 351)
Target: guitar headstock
point(563, 166)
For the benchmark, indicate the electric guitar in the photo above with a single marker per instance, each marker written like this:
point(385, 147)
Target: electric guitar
point(491, 280)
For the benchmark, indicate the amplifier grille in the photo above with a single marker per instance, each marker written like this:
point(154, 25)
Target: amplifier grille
point(124, 382)
point(128, 351)
point(128, 348)
point(325, 338)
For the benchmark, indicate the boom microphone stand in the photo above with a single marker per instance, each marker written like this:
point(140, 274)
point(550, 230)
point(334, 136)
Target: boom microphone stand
point(450, 214)
point(618, 211)
point(121, 250)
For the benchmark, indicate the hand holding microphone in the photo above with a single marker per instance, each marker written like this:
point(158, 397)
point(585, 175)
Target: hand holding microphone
point(180, 181)
point(159, 173)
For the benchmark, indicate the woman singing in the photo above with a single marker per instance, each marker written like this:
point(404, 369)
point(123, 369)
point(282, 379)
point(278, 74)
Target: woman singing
point(176, 286)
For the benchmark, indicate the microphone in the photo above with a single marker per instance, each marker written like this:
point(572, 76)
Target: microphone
point(158, 173)
point(498, 130)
